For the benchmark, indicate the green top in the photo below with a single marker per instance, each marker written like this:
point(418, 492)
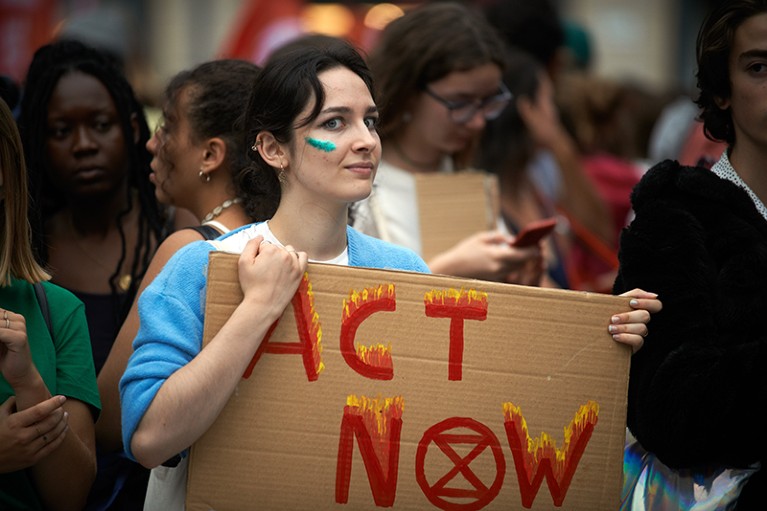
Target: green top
point(65, 364)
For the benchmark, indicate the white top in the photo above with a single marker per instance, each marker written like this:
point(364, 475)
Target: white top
point(237, 241)
point(723, 168)
point(390, 213)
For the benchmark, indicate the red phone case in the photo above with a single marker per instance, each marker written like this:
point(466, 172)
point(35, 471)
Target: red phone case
point(534, 232)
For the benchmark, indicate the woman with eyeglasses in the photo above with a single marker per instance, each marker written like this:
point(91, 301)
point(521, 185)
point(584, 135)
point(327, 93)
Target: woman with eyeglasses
point(439, 71)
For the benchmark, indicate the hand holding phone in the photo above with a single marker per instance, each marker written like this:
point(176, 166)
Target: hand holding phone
point(534, 232)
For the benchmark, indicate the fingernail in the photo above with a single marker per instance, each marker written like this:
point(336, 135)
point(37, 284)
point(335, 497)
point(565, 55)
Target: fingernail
point(615, 319)
point(612, 329)
point(633, 303)
point(615, 338)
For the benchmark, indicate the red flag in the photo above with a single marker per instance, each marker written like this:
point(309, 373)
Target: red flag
point(262, 26)
point(24, 27)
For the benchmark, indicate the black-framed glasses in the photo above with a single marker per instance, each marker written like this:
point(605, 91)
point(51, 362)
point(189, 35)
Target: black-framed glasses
point(463, 111)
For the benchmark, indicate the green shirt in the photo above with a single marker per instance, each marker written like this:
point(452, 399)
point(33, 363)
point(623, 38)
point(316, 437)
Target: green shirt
point(65, 364)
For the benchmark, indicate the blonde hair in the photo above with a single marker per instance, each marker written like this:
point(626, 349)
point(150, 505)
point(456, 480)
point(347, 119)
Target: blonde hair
point(16, 258)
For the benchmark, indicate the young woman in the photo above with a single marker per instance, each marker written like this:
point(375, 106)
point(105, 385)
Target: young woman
point(698, 388)
point(438, 68)
point(199, 164)
point(510, 145)
point(84, 135)
point(48, 396)
point(311, 127)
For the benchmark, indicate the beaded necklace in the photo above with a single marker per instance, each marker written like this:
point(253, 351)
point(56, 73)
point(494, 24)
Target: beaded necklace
point(220, 208)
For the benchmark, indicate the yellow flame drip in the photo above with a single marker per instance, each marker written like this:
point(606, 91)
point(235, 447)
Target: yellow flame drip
point(539, 446)
point(315, 329)
point(377, 355)
point(377, 411)
point(357, 298)
point(455, 296)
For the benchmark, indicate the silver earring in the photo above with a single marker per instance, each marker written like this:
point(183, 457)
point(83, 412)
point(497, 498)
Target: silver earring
point(205, 178)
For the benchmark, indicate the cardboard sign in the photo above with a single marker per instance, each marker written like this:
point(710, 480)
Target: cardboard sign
point(394, 389)
point(453, 206)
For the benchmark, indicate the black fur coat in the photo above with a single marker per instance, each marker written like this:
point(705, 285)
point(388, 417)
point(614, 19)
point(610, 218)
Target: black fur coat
point(698, 387)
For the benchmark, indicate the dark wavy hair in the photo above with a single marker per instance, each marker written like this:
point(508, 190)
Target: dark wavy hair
point(714, 44)
point(288, 82)
point(218, 91)
point(49, 64)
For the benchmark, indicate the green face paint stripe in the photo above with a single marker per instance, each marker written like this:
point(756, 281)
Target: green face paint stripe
point(322, 145)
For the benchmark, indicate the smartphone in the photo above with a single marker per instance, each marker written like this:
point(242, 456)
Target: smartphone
point(534, 232)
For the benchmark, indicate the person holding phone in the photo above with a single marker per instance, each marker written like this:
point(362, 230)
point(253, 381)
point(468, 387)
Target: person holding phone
point(439, 70)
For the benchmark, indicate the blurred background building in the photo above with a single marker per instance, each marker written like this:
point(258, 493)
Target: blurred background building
point(649, 42)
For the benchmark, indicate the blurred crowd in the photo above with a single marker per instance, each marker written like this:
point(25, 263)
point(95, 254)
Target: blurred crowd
point(118, 184)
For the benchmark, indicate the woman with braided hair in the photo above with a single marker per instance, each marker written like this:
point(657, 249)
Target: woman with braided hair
point(99, 223)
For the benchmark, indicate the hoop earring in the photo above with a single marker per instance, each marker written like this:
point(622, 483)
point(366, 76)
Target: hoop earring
point(205, 178)
point(255, 145)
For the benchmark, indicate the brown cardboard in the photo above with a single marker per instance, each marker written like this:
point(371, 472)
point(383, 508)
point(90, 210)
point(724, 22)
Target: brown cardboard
point(453, 206)
point(276, 443)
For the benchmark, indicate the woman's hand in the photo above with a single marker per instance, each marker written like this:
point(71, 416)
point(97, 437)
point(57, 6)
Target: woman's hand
point(270, 275)
point(490, 256)
point(30, 435)
point(631, 327)
point(15, 358)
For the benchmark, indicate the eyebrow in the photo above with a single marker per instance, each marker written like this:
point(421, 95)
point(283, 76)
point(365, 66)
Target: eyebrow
point(346, 110)
point(753, 53)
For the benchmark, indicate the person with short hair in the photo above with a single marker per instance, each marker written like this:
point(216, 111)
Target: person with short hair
point(699, 238)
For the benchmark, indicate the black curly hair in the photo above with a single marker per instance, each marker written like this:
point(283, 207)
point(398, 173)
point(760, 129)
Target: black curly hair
point(49, 64)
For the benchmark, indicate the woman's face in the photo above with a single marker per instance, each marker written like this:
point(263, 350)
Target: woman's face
point(175, 158)
point(335, 157)
point(432, 125)
point(85, 145)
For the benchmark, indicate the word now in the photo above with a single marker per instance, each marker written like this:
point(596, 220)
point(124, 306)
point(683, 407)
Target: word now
point(377, 424)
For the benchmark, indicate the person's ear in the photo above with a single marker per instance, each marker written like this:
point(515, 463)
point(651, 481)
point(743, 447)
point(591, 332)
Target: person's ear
point(271, 151)
point(722, 103)
point(214, 155)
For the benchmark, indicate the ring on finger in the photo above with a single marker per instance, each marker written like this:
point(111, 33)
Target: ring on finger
point(7, 323)
point(5, 315)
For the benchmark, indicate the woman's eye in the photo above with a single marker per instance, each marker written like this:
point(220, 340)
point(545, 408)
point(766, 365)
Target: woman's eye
point(371, 122)
point(332, 124)
point(58, 132)
point(758, 67)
